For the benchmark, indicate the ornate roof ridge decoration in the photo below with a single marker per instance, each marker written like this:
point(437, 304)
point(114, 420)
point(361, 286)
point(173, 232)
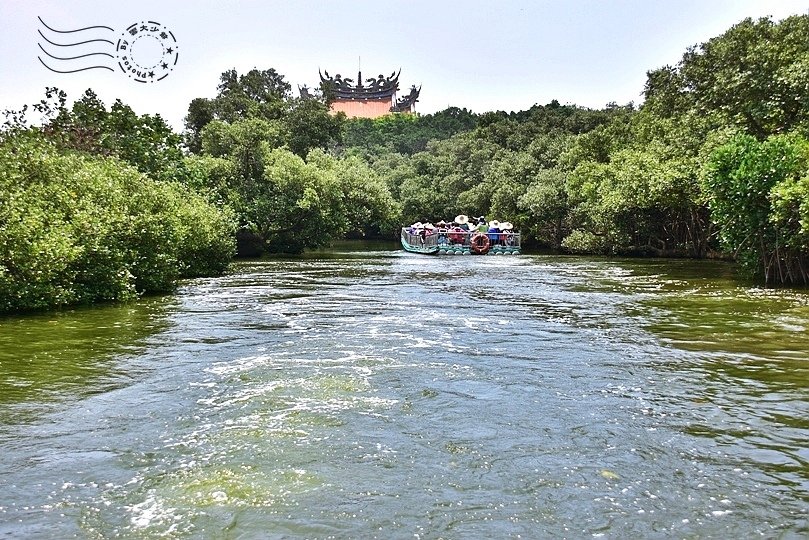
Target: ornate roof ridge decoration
point(406, 103)
point(344, 88)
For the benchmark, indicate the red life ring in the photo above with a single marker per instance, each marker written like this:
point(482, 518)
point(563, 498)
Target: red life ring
point(480, 244)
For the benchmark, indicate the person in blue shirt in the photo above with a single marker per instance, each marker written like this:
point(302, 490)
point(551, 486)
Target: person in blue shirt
point(494, 232)
point(442, 232)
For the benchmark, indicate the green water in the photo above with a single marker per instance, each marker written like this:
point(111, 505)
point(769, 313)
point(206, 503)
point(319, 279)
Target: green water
point(375, 394)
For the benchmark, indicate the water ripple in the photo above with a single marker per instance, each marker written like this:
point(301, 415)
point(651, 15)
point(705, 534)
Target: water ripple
point(378, 394)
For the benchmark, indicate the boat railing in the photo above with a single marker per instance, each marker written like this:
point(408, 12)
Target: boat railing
point(440, 237)
point(417, 239)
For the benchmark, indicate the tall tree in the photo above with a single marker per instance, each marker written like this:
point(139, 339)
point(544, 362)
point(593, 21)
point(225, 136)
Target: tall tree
point(256, 94)
point(755, 75)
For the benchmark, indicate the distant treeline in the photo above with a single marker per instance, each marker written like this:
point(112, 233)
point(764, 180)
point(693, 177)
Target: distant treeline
point(715, 161)
point(99, 203)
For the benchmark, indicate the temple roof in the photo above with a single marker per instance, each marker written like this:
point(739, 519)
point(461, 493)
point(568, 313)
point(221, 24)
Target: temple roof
point(344, 88)
point(406, 103)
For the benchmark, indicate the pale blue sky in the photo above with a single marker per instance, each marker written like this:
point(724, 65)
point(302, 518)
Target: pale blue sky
point(483, 55)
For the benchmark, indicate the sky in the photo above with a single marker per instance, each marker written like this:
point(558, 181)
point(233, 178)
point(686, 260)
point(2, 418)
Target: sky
point(482, 55)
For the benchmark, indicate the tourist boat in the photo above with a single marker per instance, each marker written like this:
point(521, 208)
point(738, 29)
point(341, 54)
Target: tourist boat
point(443, 240)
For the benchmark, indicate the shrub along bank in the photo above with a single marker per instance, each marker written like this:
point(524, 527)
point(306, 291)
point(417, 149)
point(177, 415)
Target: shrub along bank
point(77, 228)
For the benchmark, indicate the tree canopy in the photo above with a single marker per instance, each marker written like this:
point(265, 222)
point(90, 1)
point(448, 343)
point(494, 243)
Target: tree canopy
point(272, 158)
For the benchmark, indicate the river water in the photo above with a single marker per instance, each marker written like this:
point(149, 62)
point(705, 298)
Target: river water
point(363, 393)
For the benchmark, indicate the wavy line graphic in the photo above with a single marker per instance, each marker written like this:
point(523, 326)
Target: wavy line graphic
point(66, 63)
point(73, 57)
point(71, 31)
point(74, 70)
point(73, 44)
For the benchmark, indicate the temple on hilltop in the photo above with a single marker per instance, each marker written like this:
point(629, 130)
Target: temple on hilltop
point(370, 98)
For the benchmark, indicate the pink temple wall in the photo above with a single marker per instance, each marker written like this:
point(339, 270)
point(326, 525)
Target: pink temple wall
point(362, 109)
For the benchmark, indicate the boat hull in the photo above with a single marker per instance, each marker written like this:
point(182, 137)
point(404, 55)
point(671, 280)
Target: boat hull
point(424, 250)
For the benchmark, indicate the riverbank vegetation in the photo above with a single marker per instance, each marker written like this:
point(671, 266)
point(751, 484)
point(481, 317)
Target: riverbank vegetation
point(102, 204)
point(713, 163)
point(78, 229)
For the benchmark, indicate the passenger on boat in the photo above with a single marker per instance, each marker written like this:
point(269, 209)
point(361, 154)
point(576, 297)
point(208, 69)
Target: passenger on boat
point(457, 235)
point(494, 232)
point(418, 231)
point(442, 232)
point(462, 221)
point(506, 233)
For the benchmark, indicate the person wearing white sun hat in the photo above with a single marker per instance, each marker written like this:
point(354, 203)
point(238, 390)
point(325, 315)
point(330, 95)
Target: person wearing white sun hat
point(494, 231)
point(506, 233)
point(463, 221)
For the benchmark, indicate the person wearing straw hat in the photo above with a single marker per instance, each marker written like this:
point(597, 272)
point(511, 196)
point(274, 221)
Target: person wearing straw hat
point(506, 233)
point(463, 221)
point(494, 231)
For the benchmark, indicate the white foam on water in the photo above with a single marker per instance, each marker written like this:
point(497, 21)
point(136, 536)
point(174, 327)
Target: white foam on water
point(152, 512)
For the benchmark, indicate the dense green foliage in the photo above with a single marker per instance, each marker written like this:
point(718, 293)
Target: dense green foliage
point(302, 124)
point(406, 133)
point(146, 142)
point(263, 153)
point(755, 75)
point(76, 228)
point(759, 195)
point(512, 166)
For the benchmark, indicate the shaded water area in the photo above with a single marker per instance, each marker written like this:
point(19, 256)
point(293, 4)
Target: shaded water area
point(363, 393)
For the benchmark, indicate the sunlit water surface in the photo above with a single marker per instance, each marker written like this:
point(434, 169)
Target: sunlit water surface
point(376, 394)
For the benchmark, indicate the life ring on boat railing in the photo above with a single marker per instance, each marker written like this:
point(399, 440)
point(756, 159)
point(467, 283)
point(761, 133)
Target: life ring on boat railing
point(480, 243)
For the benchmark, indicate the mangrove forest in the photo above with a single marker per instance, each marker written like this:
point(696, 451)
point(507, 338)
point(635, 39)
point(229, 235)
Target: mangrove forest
point(98, 203)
